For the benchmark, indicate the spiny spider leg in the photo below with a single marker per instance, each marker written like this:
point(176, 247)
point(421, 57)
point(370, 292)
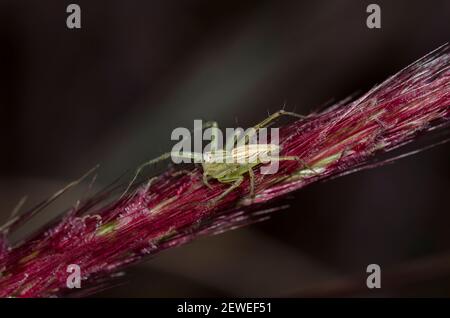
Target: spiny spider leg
point(274, 116)
point(165, 156)
point(266, 122)
point(235, 185)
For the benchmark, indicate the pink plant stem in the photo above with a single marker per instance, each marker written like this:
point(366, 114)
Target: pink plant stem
point(103, 238)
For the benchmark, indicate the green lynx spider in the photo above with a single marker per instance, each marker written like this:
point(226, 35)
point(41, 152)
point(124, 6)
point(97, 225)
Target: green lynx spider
point(230, 173)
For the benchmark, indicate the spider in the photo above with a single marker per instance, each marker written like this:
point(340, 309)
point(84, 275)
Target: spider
point(231, 166)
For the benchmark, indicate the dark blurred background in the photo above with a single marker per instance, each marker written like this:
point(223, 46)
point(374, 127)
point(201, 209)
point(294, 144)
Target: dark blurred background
point(112, 92)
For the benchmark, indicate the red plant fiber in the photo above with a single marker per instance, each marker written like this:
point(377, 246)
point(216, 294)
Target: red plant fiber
point(103, 238)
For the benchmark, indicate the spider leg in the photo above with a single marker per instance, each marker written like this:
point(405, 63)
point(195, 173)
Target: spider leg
point(294, 158)
point(235, 185)
point(274, 116)
point(254, 130)
point(165, 156)
point(205, 180)
point(252, 182)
